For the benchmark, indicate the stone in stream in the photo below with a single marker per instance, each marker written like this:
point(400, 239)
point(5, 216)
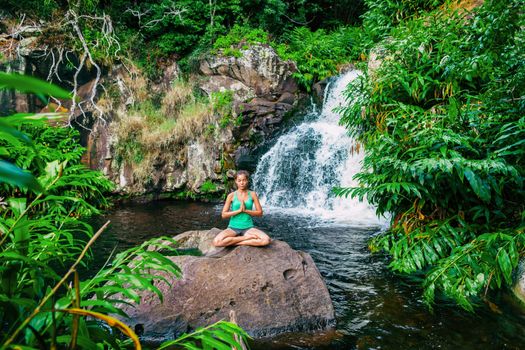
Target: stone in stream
point(272, 290)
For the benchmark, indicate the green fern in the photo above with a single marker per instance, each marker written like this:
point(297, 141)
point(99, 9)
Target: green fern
point(444, 144)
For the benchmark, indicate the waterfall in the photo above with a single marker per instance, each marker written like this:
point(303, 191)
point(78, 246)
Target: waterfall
point(297, 174)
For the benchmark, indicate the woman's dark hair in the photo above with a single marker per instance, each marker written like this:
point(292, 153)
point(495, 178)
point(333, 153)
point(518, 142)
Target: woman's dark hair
point(242, 172)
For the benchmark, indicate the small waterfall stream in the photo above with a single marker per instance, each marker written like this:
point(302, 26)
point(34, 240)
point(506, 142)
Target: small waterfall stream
point(297, 174)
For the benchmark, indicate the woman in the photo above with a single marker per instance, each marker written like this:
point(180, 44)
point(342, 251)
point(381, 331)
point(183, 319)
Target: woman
point(239, 207)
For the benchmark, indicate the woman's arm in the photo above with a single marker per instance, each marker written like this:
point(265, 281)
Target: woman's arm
point(226, 213)
point(258, 209)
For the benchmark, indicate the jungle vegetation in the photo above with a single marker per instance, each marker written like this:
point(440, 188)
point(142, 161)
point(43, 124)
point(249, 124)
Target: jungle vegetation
point(443, 123)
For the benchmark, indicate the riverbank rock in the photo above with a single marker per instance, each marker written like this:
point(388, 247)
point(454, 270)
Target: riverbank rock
point(263, 87)
point(519, 282)
point(271, 290)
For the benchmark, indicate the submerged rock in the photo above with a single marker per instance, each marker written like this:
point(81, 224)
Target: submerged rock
point(272, 290)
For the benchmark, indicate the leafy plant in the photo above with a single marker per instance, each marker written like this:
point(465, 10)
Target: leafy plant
point(442, 123)
point(239, 37)
point(208, 187)
point(384, 15)
point(222, 102)
point(319, 53)
point(221, 335)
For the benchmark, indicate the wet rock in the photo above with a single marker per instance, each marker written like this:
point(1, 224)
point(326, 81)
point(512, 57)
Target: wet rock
point(287, 98)
point(319, 89)
point(244, 159)
point(272, 290)
point(519, 282)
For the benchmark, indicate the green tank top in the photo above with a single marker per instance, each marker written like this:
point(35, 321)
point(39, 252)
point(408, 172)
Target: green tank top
point(241, 221)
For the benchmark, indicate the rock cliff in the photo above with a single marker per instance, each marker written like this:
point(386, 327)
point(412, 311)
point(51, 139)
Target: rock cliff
point(210, 143)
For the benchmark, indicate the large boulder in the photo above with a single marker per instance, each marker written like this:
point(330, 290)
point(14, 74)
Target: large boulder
point(271, 290)
point(259, 69)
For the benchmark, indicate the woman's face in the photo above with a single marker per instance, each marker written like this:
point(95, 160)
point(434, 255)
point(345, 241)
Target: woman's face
point(242, 182)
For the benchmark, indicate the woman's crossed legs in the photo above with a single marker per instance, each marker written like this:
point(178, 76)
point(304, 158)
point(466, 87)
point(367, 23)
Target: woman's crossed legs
point(252, 237)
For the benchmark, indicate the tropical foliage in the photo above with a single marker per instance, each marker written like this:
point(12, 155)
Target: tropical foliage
point(443, 123)
point(43, 243)
point(319, 54)
point(153, 31)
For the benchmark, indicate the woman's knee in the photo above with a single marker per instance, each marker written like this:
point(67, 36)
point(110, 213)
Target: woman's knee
point(218, 241)
point(265, 240)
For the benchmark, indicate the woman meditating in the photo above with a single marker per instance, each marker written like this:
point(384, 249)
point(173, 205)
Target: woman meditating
point(239, 207)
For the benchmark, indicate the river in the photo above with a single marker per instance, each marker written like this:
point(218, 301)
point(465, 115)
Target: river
point(375, 309)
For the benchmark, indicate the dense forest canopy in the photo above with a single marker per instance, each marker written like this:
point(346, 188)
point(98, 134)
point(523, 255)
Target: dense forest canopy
point(177, 27)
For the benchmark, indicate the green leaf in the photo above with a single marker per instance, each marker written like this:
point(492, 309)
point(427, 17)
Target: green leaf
point(478, 186)
point(17, 205)
point(227, 338)
point(84, 342)
point(24, 302)
point(10, 133)
point(505, 265)
point(13, 175)
point(29, 84)
point(106, 305)
point(214, 343)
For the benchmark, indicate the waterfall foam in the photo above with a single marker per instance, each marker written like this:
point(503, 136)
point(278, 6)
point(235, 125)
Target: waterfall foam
point(297, 174)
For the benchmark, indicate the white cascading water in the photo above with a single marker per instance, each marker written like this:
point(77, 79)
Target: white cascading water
point(297, 175)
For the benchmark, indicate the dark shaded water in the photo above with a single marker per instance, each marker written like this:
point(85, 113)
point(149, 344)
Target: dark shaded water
point(375, 309)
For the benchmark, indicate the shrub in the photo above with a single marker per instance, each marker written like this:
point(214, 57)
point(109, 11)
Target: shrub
point(240, 37)
point(384, 15)
point(442, 122)
point(222, 102)
point(319, 53)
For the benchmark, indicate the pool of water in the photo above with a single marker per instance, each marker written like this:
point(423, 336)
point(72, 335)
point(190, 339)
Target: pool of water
point(375, 308)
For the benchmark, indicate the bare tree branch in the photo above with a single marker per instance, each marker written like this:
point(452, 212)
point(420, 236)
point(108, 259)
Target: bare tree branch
point(168, 11)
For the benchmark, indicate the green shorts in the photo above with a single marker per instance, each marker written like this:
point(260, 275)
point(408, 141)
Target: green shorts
point(240, 231)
